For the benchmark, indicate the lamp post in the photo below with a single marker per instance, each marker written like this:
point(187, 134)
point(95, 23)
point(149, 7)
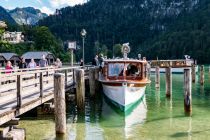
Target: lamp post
point(83, 34)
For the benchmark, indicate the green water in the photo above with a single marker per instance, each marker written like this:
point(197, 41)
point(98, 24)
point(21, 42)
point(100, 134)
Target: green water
point(156, 119)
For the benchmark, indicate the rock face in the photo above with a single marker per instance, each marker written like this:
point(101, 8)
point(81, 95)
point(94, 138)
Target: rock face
point(27, 15)
point(5, 16)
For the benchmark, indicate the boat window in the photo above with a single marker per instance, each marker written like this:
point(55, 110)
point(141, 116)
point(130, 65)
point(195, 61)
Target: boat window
point(132, 70)
point(116, 69)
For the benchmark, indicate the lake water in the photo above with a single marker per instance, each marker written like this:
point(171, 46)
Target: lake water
point(157, 118)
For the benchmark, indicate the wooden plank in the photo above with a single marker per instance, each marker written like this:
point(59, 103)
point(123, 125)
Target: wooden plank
point(8, 87)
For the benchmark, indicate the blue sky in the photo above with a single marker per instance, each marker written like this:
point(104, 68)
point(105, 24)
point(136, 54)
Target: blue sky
point(46, 6)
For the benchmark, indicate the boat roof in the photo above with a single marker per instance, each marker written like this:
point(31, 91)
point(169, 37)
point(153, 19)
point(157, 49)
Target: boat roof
point(124, 61)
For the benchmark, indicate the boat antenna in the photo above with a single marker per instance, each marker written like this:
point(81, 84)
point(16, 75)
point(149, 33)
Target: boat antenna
point(125, 50)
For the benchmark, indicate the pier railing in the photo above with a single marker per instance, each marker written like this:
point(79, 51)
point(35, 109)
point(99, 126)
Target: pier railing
point(23, 89)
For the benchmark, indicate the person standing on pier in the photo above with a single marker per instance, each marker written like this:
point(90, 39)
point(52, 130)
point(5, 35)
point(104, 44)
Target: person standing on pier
point(101, 61)
point(95, 61)
point(58, 63)
point(43, 62)
point(81, 62)
point(32, 64)
point(22, 64)
point(9, 67)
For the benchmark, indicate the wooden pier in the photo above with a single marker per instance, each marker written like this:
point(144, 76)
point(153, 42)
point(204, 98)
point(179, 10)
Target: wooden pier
point(23, 90)
point(189, 77)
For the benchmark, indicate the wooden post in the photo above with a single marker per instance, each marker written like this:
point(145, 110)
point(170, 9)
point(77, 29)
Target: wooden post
point(187, 92)
point(60, 103)
point(66, 77)
point(80, 88)
point(202, 74)
point(168, 82)
point(35, 79)
point(41, 84)
point(72, 57)
point(193, 73)
point(19, 91)
point(149, 71)
point(157, 77)
point(92, 81)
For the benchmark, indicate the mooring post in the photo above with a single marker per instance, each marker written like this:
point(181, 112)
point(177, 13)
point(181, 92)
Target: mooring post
point(157, 77)
point(193, 73)
point(168, 82)
point(187, 92)
point(80, 88)
point(202, 74)
point(60, 103)
point(148, 71)
point(92, 82)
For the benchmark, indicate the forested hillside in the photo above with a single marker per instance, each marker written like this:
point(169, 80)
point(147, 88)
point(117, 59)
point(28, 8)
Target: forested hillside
point(190, 34)
point(109, 22)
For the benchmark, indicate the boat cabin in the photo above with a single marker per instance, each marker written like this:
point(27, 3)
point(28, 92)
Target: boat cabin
point(124, 69)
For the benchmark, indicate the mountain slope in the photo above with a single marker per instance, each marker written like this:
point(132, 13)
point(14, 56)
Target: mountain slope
point(190, 34)
point(27, 15)
point(143, 23)
point(5, 16)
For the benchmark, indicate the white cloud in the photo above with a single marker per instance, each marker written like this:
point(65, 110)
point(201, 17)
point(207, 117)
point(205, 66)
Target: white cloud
point(46, 10)
point(61, 3)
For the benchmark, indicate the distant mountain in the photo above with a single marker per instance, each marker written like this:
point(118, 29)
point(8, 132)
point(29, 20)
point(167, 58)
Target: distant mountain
point(5, 16)
point(27, 15)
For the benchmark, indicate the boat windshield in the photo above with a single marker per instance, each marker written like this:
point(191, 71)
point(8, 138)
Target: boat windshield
point(124, 69)
point(116, 69)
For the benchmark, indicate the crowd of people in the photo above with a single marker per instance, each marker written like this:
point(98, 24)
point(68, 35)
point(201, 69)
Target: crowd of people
point(32, 64)
point(98, 60)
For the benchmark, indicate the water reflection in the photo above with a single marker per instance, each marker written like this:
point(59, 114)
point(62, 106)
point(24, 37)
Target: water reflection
point(126, 121)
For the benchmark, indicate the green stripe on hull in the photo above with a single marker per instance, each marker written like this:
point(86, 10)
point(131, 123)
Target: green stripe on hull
point(121, 109)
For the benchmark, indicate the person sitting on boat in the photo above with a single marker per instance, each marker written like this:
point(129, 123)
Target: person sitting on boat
point(131, 70)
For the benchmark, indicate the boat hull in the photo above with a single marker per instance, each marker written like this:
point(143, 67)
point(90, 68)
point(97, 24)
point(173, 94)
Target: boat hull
point(124, 96)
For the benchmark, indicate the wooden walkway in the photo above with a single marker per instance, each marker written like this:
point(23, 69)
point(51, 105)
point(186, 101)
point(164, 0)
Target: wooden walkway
point(23, 90)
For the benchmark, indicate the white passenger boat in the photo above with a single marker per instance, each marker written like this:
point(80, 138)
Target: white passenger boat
point(124, 80)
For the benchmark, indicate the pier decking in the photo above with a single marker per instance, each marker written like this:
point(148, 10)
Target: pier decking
point(23, 90)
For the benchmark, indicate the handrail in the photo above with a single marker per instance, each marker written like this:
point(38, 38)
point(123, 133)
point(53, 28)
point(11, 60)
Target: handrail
point(36, 70)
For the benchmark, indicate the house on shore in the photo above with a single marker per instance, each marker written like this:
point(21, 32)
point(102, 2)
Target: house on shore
point(38, 55)
point(12, 57)
point(13, 37)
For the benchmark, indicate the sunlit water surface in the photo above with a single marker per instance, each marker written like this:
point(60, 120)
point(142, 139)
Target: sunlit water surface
point(156, 118)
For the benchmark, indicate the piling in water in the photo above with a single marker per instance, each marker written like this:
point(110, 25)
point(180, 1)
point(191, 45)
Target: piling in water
point(80, 88)
point(202, 74)
point(168, 82)
point(148, 71)
point(60, 103)
point(187, 92)
point(193, 73)
point(157, 77)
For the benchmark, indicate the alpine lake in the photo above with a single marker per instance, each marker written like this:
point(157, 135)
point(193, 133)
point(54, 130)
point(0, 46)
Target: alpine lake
point(156, 118)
